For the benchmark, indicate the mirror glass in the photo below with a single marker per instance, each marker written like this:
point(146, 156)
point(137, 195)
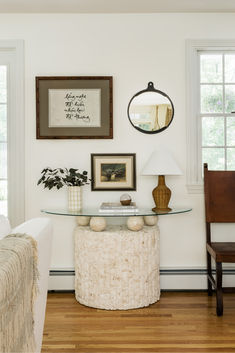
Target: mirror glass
point(150, 110)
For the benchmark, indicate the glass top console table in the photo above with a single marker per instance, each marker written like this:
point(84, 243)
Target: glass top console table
point(94, 212)
point(116, 267)
point(96, 218)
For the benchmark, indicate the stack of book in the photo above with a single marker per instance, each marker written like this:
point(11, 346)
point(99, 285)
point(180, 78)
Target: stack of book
point(116, 207)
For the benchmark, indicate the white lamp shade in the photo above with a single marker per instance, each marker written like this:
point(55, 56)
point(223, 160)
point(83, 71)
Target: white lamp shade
point(161, 163)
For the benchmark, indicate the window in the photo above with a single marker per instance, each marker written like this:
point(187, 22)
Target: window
point(217, 102)
point(210, 103)
point(12, 131)
point(3, 140)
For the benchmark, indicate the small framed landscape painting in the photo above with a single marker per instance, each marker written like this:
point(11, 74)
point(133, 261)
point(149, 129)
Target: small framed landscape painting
point(77, 107)
point(113, 172)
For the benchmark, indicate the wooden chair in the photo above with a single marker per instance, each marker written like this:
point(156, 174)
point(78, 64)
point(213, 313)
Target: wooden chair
point(219, 189)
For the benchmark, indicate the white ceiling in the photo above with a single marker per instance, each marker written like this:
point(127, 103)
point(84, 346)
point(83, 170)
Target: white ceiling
point(115, 6)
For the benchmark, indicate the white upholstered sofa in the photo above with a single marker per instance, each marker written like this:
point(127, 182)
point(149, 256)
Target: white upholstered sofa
point(41, 230)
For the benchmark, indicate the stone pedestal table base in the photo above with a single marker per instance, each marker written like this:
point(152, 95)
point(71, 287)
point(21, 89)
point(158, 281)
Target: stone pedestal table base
point(117, 268)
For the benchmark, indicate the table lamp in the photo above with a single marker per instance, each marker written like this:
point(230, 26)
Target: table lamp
point(161, 163)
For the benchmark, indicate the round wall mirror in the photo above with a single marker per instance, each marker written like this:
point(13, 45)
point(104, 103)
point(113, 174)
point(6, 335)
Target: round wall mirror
point(150, 111)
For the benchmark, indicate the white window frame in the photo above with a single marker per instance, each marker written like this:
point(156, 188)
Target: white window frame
point(12, 55)
point(194, 134)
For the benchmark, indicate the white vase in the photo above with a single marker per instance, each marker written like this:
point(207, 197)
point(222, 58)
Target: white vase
point(75, 198)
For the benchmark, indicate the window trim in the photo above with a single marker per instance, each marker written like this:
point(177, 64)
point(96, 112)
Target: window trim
point(12, 52)
point(194, 179)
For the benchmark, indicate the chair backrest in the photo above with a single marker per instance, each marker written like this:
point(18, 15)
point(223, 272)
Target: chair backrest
point(219, 187)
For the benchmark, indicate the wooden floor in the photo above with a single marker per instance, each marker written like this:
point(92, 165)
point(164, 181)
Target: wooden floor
point(179, 322)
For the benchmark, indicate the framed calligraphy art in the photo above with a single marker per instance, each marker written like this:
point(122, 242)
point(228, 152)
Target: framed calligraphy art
point(79, 107)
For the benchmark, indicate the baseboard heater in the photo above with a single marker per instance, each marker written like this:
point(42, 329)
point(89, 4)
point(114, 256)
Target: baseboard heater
point(170, 278)
point(163, 272)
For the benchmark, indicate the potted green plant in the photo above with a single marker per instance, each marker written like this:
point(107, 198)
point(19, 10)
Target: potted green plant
point(72, 178)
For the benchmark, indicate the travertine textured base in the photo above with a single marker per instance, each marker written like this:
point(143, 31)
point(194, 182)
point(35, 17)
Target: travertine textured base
point(117, 268)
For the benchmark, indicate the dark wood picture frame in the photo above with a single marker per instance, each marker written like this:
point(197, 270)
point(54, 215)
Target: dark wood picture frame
point(123, 163)
point(103, 84)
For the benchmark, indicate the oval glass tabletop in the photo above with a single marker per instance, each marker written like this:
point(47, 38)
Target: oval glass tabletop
point(94, 212)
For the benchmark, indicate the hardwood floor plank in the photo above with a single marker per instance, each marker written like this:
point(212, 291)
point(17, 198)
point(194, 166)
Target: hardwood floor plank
point(179, 322)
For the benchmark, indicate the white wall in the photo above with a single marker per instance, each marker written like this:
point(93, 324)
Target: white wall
point(134, 49)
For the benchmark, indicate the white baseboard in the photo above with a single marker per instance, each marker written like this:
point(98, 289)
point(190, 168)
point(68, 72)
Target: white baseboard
point(170, 279)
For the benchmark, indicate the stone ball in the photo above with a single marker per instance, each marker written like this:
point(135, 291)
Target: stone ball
point(83, 220)
point(97, 224)
point(135, 223)
point(150, 220)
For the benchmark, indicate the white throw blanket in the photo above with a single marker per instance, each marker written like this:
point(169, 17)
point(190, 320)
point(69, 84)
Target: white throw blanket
point(18, 289)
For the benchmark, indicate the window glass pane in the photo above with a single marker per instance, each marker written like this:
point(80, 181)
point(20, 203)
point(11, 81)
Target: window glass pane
point(3, 95)
point(3, 84)
point(211, 99)
point(229, 98)
point(213, 131)
point(3, 197)
point(231, 130)
point(211, 68)
point(3, 123)
point(214, 157)
point(3, 76)
point(231, 158)
point(3, 160)
point(229, 68)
